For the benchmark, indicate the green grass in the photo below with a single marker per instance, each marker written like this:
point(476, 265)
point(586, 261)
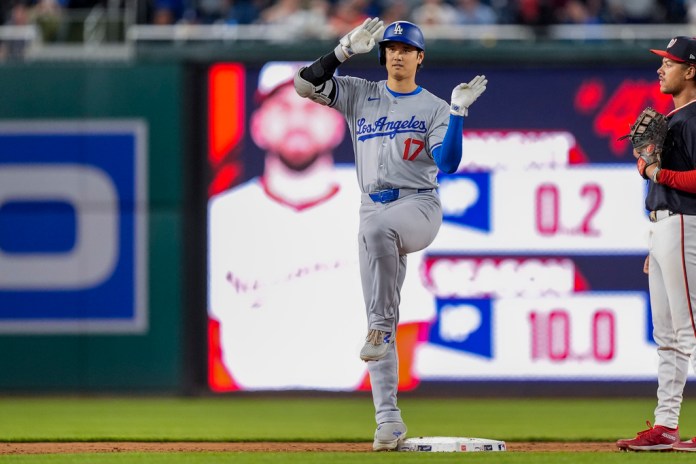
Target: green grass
point(271, 418)
point(353, 458)
point(306, 419)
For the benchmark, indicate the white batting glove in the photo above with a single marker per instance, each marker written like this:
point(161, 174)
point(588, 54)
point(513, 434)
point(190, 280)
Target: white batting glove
point(361, 39)
point(464, 95)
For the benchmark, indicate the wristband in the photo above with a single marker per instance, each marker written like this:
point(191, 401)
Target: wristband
point(341, 53)
point(655, 173)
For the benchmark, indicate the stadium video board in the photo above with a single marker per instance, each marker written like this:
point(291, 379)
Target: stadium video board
point(536, 273)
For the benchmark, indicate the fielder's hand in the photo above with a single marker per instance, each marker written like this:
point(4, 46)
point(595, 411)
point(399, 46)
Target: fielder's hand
point(647, 136)
point(464, 95)
point(362, 39)
point(645, 159)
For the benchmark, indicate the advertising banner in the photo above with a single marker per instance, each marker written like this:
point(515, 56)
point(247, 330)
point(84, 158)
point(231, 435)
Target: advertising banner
point(73, 212)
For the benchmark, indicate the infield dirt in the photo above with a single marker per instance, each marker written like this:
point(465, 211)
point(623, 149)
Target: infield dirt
point(189, 447)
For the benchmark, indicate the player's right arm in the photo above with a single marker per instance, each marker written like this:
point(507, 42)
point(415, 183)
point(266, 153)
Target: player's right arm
point(314, 81)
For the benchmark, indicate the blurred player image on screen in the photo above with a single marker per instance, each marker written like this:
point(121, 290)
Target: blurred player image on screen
point(284, 283)
point(403, 135)
point(671, 263)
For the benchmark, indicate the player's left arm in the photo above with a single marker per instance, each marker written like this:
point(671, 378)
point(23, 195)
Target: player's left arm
point(680, 180)
point(448, 155)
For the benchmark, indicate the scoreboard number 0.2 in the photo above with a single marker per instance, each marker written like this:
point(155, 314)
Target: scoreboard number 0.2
point(548, 210)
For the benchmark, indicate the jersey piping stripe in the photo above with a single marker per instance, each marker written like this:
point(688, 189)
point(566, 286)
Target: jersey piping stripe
point(677, 109)
point(686, 277)
point(407, 94)
point(338, 90)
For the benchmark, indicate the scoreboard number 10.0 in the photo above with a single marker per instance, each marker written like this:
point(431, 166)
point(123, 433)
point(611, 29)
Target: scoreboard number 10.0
point(551, 336)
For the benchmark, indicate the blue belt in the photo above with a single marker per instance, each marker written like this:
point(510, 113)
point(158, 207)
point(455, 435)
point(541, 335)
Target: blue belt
point(389, 195)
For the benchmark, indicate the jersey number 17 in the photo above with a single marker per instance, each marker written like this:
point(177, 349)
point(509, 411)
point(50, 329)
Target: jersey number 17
point(417, 148)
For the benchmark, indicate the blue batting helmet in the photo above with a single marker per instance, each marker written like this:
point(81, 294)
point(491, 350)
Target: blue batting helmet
point(404, 32)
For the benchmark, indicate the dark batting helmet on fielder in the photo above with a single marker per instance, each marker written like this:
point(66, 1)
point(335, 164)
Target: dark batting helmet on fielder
point(404, 32)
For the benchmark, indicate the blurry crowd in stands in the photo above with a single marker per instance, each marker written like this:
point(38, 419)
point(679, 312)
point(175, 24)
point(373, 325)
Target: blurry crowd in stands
point(343, 15)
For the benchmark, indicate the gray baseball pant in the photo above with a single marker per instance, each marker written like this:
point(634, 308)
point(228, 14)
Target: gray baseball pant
point(388, 232)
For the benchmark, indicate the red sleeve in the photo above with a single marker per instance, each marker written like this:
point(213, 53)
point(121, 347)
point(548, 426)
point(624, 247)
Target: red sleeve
point(680, 180)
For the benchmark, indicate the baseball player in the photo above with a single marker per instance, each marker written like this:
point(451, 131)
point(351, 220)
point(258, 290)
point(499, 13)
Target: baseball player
point(671, 263)
point(402, 134)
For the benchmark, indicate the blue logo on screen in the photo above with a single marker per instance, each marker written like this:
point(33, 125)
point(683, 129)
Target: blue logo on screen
point(463, 325)
point(72, 227)
point(466, 199)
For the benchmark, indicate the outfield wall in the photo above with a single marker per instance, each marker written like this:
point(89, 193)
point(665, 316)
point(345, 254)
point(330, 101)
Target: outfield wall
point(119, 325)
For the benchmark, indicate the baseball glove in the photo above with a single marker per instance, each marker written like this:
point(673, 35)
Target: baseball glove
point(647, 136)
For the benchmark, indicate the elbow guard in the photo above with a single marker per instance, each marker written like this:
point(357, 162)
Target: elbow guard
point(322, 94)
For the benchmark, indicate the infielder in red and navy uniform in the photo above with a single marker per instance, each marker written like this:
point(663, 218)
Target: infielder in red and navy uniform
point(671, 263)
point(402, 135)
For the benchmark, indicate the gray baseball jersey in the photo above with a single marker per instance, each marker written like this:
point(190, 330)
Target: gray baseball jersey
point(393, 141)
point(393, 138)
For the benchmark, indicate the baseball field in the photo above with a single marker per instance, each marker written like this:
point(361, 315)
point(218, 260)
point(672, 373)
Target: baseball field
point(263, 429)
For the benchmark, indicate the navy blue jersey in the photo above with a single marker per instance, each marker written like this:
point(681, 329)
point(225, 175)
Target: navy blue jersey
point(679, 154)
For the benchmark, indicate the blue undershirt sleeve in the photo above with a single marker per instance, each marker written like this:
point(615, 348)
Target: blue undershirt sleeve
point(448, 155)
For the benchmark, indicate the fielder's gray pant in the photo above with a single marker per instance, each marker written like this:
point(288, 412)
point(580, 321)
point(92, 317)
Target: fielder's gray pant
point(388, 232)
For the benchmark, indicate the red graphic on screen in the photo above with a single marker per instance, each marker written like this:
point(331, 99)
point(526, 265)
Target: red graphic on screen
point(219, 378)
point(589, 96)
point(576, 155)
point(625, 104)
point(226, 115)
